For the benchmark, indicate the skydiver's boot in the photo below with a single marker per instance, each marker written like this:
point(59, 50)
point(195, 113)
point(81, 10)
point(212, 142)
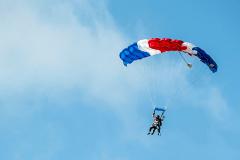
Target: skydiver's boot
point(148, 133)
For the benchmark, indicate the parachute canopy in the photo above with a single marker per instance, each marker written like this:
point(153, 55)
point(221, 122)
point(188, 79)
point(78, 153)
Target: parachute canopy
point(150, 47)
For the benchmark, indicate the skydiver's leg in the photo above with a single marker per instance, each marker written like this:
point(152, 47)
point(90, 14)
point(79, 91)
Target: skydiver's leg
point(154, 128)
point(150, 129)
point(159, 130)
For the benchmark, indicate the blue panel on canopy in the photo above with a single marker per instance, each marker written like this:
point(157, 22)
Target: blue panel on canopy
point(205, 58)
point(132, 53)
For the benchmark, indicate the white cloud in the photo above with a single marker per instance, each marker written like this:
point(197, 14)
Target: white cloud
point(58, 53)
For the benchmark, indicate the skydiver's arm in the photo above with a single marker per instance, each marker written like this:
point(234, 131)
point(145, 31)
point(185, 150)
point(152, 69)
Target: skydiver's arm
point(162, 117)
point(153, 114)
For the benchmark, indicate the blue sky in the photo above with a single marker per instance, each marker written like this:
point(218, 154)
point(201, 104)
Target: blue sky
point(64, 93)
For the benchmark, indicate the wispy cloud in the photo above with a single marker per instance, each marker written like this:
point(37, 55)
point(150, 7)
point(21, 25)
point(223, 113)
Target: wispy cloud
point(56, 49)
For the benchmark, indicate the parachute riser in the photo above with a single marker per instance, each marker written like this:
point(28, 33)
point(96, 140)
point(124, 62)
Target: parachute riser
point(160, 110)
point(188, 64)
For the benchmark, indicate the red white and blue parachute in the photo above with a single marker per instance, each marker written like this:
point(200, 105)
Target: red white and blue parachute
point(150, 47)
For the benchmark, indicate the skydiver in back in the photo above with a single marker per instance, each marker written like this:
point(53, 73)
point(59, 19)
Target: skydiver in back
point(157, 123)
